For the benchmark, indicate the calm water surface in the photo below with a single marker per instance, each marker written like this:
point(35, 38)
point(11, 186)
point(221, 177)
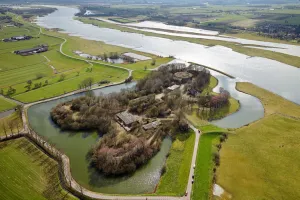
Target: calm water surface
point(274, 76)
point(250, 110)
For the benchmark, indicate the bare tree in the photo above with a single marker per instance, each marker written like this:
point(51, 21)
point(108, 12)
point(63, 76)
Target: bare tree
point(4, 129)
point(11, 127)
point(17, 125)
point(19, 109)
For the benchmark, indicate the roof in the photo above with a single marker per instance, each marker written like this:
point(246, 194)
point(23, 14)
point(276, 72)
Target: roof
point(173, 87)
point(136, 56)
point(152, 125)
point(127, 118)
point(32, 49)
point(183, 75)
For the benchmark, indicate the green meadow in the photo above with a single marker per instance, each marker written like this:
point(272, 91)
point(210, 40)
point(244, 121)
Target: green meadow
point(263, 153)
point(178, 164)
point(204, 166)
point(28, 173)
point(51, 73)
point(6, 104)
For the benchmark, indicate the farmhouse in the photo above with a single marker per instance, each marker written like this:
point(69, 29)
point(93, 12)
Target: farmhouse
point(17, 38)
point(38, 49)
point(126, 119)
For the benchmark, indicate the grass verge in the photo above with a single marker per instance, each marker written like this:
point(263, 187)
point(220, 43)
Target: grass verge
point(205, 165)
point(174, 181)
point(6, 104)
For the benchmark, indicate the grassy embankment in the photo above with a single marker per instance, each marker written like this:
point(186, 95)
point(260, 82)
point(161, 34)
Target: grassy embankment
point(260, 160)
point(28, 173)
point(6, 104)
point(284, 58)
point(174, 181)
point(204, 166)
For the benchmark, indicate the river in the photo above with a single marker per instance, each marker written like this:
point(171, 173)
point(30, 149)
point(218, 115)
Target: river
point(274, 76)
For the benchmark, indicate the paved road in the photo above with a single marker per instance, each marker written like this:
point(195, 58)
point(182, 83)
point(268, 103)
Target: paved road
point(6, 113)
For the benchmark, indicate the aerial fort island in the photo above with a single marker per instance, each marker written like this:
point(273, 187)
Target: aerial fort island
point(134, 122)
point(149, 100)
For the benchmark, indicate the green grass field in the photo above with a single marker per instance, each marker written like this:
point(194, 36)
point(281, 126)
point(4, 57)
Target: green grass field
point(204, 166)
point(99, 72)
point(174, 181)
point(17, 70)
point(6, 104)
point(261, 161)
point(28, 173)
point(61, 62)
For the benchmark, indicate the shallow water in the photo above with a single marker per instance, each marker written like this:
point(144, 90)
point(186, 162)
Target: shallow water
point(277, 77)
point(293, 50)
point(160, 25)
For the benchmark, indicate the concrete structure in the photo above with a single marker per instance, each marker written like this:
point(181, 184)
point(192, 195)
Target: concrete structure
point(182, 77)
point(173, 87)
point(126, 120)
point(136, 57)
point(17, 38)
point(151, 125)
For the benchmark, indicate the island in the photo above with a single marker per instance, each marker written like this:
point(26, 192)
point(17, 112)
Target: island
point(134, 122)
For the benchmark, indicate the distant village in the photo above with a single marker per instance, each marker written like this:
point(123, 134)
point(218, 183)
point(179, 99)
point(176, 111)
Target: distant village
point(279, 31)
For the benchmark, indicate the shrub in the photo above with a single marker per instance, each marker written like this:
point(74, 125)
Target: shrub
point(153, 62)
point(40, 75)
point(216, 158)
point(62, 77)
point(163, 170)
